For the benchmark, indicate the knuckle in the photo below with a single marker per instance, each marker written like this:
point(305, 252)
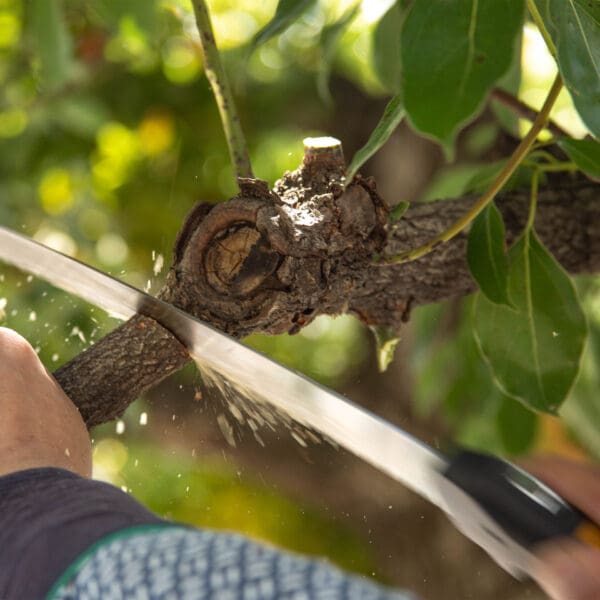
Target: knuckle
point(14, 346)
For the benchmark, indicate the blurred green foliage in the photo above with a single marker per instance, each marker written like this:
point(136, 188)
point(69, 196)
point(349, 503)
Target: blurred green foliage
point(208, 494)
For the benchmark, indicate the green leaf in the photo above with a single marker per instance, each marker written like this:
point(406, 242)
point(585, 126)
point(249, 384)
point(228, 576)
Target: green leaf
point(286, 13)
point(574, 26)
point(452, 54)
point(386, 340)
point(52, 41)
point(517, 426)
point(386, 48)
point(397, 211)
point(486, 256)
point(533, 351)
point(330, 36)
point(584, 153)
point(482, 179)
point(392, 115)
point(577, 41)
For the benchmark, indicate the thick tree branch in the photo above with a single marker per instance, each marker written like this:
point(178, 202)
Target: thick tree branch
point(271, 261)
point(567, 220)
point(134, 357)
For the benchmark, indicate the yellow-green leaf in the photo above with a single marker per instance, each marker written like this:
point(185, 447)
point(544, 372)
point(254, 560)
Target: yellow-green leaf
point(386, 340)
point(392, 115)
point(397, 211)
point(286, 13)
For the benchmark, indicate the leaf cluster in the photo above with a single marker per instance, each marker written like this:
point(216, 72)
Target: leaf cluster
point(442, 60)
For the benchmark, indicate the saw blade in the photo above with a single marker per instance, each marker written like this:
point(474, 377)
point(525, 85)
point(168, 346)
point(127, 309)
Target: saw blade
point(258, 377)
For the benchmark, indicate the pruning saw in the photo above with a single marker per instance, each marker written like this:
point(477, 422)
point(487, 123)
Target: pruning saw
point(500, 507)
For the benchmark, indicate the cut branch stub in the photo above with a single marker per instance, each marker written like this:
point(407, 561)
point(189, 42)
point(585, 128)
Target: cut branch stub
point(239, 261)
point(324, 154)
point(270, 261)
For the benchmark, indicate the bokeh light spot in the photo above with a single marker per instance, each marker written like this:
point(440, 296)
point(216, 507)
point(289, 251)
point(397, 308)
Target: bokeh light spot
point(112, 249)
point(56, 191)
point(10, 29)
point(181, 60)
point(58, 240)
point(156, 133)
point(12, 122)
point(110, 456)
point(117, 142)
point(118, 151)
point(233, 28)
point(93, 223)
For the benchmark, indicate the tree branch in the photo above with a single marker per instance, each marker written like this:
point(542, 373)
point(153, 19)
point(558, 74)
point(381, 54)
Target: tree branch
point(525, 111)
point(567, 221)
point(271, 261)
point(103, 380)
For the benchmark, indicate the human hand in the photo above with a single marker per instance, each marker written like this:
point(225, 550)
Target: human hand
point(569, 569)
point(39, 425)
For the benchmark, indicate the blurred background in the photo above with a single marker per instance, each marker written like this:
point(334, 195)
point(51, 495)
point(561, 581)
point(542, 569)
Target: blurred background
point(108, 136)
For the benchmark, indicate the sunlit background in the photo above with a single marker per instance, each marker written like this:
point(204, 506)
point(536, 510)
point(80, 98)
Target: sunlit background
point(109, 135)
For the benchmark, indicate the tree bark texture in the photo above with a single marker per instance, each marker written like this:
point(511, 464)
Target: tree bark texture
point(270, 261)
point(132, 358)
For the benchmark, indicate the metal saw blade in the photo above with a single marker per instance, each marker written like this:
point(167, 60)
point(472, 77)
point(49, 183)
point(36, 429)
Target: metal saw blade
point(383, 445)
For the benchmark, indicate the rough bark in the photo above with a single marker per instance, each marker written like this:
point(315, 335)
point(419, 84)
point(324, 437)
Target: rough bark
point(105, 378)
point(271, 261)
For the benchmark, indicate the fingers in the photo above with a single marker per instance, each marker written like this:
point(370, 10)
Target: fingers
point(576, 482)
point(15, 348)
point(39, 425)
point(11, 339)
point(569, 570)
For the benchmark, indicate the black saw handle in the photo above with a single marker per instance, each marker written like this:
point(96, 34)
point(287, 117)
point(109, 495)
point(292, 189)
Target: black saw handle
point(525, 508)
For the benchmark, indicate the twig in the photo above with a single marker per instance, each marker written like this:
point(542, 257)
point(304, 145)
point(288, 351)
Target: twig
point(535, 184)
point(217, 77)
point(539, 21)
point(525, 111)
point(509, 168)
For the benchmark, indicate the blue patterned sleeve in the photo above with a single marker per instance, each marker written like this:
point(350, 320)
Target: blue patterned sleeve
point(64, 537)
point(178, 563)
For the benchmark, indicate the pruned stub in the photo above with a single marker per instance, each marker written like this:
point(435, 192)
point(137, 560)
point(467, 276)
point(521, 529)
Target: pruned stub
point(270, 261)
